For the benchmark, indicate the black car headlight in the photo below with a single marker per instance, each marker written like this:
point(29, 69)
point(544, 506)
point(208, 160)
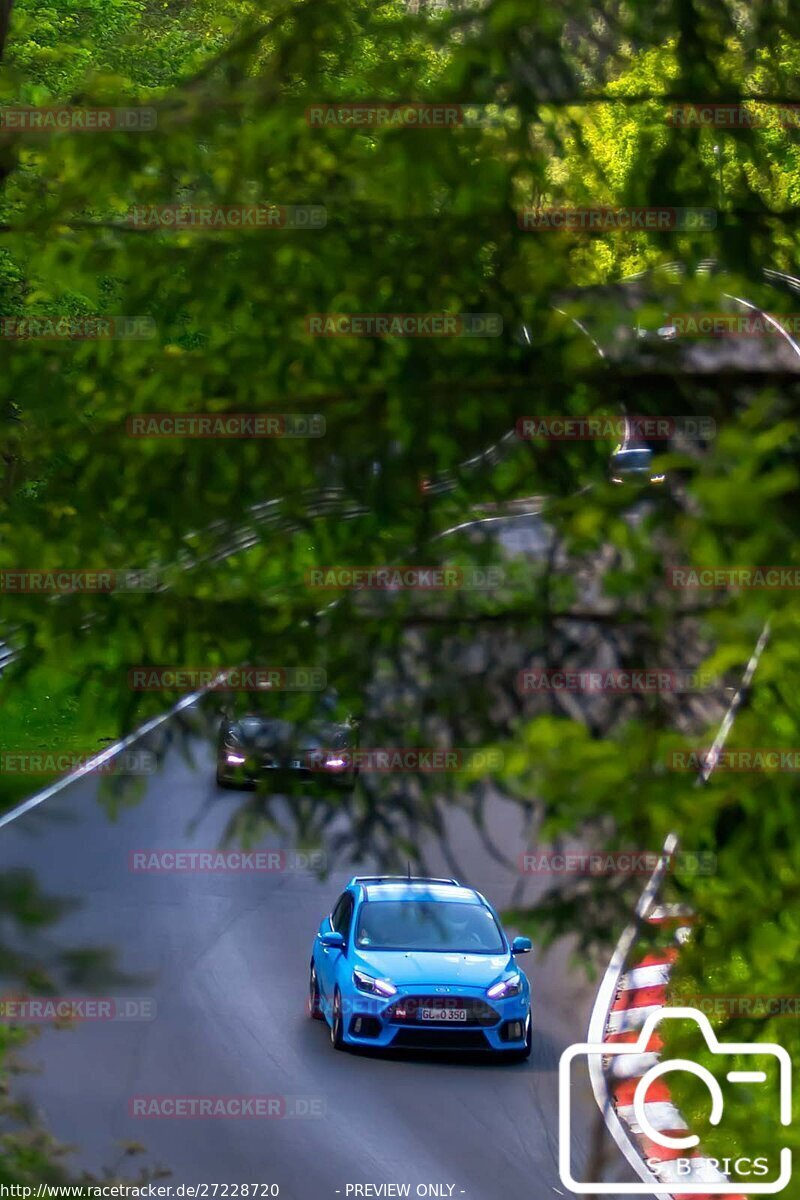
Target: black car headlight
point(372, 986)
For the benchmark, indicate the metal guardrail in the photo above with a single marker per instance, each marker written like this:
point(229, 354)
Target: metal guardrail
point(608, 988)
point(7, 656)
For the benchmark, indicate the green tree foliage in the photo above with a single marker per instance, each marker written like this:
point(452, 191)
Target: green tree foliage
point(421, 221)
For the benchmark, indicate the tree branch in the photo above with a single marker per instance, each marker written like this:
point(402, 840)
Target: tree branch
point(5, 22)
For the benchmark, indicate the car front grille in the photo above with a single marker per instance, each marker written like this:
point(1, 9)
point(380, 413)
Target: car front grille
point(407, 1010)
point(439, 1038)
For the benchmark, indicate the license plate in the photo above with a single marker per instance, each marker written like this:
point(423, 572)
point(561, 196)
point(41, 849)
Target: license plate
point(443, 1014)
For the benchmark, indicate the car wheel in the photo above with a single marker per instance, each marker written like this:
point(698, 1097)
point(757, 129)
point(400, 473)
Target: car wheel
point(221, 780)
point(314, 1007)
point(337, 1033)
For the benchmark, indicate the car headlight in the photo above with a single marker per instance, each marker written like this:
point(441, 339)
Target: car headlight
point(505, 988)
point(374, 987)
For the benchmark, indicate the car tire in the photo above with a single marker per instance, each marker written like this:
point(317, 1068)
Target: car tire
point(232, 785)
point(336, 1026)
point(314, 1006)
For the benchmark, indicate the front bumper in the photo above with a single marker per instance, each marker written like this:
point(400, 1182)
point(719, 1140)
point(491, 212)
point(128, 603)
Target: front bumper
point(492, 1025)
point(279, 772)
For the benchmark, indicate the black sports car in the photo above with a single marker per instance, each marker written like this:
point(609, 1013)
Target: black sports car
point(254, 748)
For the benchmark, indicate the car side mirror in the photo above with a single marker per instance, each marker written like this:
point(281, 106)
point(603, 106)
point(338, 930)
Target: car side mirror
point(333, 940)
point(521, 945)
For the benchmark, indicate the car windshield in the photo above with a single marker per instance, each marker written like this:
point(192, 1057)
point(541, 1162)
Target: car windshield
point(428, 925)
point(633, 459)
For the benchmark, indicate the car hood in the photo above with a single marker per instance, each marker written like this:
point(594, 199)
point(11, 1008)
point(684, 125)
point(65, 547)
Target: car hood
point(410, 968)
point(263, 735)
point(323, 735)
point(276, 734)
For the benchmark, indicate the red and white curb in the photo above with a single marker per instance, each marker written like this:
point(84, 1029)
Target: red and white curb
point(641, 994)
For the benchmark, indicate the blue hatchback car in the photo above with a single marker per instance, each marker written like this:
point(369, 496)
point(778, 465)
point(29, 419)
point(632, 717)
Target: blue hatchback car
point(418, 963)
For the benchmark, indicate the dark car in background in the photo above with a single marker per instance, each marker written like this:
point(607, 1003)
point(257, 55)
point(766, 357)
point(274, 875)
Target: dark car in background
point(634, 464)
point(257, 748)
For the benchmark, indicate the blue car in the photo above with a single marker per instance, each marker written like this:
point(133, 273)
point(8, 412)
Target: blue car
point(419, 964)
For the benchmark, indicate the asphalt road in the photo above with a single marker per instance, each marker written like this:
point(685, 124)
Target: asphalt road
point(225, 958)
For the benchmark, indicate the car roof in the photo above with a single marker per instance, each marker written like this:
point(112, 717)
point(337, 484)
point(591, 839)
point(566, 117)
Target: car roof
point(444, 892)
